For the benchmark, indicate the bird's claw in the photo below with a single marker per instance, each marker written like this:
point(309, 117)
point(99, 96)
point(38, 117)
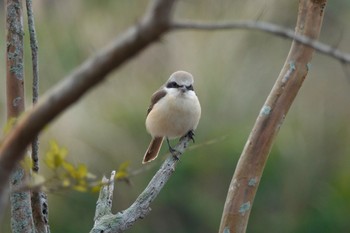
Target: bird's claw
point(191, 135)
point(172, 151)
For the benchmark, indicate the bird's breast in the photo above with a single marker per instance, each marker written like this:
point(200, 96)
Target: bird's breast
point(174, 115)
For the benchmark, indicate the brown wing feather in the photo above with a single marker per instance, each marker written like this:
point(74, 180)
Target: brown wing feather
point(155, 98)
point(156, 143)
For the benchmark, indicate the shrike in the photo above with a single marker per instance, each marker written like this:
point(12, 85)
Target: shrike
point(174, 112)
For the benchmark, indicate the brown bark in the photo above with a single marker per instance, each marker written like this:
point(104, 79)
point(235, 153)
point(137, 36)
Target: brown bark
point(247, 176)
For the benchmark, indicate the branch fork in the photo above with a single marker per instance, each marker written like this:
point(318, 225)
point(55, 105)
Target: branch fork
point(107, 222)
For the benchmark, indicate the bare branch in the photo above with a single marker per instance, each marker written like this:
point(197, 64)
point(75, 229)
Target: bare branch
point(40, 207)
point(247, 176)
point(21, 215)
point(104, 202)
point(34, 49)
point(83, 78)
point(40, 210)
point(35, 67)
point(268, 28)
point(109, 223)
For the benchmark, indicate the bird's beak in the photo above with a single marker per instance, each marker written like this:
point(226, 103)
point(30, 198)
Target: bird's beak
point(183, 89)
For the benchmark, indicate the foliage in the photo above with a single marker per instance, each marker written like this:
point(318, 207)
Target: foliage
point(65, 175)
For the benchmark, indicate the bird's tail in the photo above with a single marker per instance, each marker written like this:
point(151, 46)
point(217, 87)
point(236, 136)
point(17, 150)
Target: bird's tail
point(153, 150)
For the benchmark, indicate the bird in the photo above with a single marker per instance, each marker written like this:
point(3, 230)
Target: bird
point(174, 112)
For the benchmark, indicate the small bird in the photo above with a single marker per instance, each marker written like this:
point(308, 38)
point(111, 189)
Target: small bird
point(174, 112)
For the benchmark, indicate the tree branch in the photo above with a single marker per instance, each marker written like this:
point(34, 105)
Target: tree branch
point(268, 28)
point(104, 202)
point(40, 211)
point(83, 78)
point(21, 215)
point(40, 207)
point(107, 222)
point(247, 176)
point(35, 85)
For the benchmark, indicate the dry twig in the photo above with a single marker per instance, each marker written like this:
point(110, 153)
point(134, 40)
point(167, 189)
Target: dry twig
point(268, 28)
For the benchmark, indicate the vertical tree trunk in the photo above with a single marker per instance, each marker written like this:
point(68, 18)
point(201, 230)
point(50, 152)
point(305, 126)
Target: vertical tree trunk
point(247, 176)
point(21, 215)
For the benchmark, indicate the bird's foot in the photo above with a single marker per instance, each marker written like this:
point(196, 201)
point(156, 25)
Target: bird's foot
point(172, 151)
point(190, 135)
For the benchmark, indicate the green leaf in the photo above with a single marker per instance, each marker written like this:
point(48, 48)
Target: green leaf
point(122, 172)
point(56, 155)
point(81, 171)
point(96, 188)
point(121, 175)
point(69, 168)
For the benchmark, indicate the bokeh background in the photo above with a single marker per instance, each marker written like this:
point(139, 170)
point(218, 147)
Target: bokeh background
point(306, 184)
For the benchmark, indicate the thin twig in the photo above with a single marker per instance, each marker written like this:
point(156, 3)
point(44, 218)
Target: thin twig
point(268, 28)
point(35, 66)
point(34, 49)
point(39, 200)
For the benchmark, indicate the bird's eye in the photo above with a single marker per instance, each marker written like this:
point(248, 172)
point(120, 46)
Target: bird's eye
point(172, 85)
point(190, 87)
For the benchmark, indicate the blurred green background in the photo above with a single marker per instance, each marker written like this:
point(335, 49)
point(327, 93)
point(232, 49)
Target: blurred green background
point(306, 184)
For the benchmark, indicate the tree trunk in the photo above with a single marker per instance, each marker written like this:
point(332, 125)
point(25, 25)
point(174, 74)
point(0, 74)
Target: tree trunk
point(21, 211)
